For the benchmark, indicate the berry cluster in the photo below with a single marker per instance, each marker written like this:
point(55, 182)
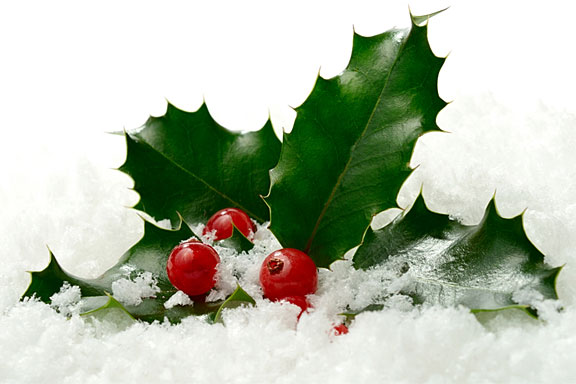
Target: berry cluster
point(192, 265)
point(285, 275)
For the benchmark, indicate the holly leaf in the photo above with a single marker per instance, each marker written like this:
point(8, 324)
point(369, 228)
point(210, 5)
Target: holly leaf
point(480, 266)
point(112, 310)
point(186, 162)
point(149, 255)
point(351, 144)
point(48, 282)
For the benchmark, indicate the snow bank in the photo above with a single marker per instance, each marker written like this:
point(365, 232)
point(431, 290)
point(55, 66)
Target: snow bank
point(74, 72)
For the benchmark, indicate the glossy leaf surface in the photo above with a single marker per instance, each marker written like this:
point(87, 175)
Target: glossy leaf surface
point(350, 148)
point(187, 163)
point(480, 266)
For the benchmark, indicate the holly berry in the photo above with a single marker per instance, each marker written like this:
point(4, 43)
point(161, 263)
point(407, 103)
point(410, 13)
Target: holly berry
point(192, 266)
point(288, 272)
point(221, 224)
point(340, 329)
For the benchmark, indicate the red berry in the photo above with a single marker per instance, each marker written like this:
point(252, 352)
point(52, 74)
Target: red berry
point(288, 272)
point(192, 266)
point(221, 223)
point(340, 329)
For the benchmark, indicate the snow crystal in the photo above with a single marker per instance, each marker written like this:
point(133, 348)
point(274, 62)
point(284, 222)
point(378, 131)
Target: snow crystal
point(225, 280)
point(208, 237)
point(179, 298)
point(67, 299)
point(132, 291)
point(527, 296)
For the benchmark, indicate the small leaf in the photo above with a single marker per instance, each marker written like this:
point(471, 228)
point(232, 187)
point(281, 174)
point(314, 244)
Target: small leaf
point(238, 298)
point(351, 144)
point(186, 162)
point(150, 254)
point(47, 282)
point(237, 241)
point(111, 311)
point(480, 266)
point(351, 315)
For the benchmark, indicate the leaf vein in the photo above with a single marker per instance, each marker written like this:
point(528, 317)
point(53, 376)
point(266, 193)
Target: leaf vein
point(352, 150)
point(200, 179)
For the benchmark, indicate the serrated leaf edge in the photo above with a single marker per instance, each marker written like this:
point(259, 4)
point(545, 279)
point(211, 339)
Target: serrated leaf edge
point(490, 212)
point(129, 135)
point(415, 26)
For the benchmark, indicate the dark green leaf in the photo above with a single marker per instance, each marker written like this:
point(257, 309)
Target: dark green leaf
point(150, 254)
point(186, 162)
point(350, 148)
point(47, 282)
point(480, 266)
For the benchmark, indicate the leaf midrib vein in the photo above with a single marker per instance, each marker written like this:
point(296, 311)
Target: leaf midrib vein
point(353, 148)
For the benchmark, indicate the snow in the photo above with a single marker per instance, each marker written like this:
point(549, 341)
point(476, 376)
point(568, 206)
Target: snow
point(132, 291)
point(179, 298)
point(242, 268)
point(72, 72)
point(67, 299)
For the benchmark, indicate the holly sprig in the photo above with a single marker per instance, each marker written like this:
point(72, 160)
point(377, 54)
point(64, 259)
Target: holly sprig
point(345, 161)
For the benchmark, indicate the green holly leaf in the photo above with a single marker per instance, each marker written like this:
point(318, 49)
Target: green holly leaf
point(481, 266)
point(48, 282)
point(351, 144)
point(111, 310)
point(186, 162)
point(149, 255)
